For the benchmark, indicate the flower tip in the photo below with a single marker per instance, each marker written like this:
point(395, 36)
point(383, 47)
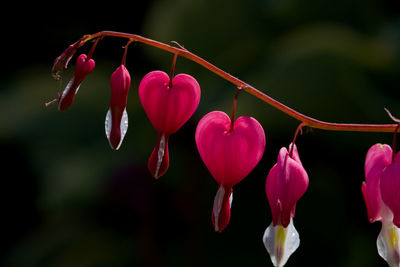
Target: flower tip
point(159, 159)
point(116, 128)
point(281, 242)
point(221, 212)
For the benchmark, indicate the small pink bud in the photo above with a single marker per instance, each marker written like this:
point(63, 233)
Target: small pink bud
point(390, 188)
point(229, 154)
point(61, 62)
point(116, 123)
point(168, 108)
point(379, 156)
point(83, 67)
point(286, 183)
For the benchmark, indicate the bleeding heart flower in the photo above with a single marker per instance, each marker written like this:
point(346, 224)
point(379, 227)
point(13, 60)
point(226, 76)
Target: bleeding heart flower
point(84, 66)
point(382, 198)
point(286, 183)
point(116, 123)
point(168, 105)
point(230, 154)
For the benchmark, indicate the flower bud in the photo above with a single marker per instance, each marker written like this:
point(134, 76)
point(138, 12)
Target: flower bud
point(116, 123)
point(84, 66)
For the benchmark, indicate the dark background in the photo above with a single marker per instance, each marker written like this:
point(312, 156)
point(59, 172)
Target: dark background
point(67, 199)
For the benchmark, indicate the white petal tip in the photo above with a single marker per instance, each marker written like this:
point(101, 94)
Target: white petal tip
point(281, 242)
point(388, 244)
point(123, 127)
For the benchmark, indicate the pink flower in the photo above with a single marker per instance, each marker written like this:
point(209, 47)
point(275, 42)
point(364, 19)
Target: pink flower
point(382, 198)
point(116, 123)
point(84, 66)
point(379, 156)
point(168, 105)
point(286, 182)
point(230, 154)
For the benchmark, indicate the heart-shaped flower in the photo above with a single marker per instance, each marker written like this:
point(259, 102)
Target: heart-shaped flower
point(168, 105)
point(230, 152)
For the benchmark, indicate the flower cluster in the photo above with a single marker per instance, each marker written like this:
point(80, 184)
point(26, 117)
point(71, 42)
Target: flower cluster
point(231, 148)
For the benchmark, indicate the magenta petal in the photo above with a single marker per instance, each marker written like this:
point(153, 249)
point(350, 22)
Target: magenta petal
point(229, 155)
point(390, 190)
point(286, 182)
point(83, 67)
point(168, 108)
point(378, 157)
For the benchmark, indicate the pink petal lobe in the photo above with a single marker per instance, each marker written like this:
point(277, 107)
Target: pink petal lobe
point(390, 189)
point(229, 155)
point(168, 108)
point(378, 158)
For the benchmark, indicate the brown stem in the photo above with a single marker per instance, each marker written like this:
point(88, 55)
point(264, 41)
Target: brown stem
point(123, 61)
point(234, 108)
point(301, 125)
point(171, 74)
point(311, 122)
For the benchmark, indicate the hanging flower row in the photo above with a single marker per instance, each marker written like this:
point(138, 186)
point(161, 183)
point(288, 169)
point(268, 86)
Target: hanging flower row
point(232, 147)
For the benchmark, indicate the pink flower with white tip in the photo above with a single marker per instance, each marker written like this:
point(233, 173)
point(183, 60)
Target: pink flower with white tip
point(84, 66)
point(381, 192)
point(286, 183)
point(169, 102)
point(116, 123)
point(230, 150)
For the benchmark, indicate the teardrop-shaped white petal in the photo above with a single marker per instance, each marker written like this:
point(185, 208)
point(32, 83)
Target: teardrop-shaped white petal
point(160, 155)
point(123, 126)
point(388, 244)
point(219, 198)
point(281, 242)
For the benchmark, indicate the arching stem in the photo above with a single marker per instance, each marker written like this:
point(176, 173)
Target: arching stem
point(311, 122)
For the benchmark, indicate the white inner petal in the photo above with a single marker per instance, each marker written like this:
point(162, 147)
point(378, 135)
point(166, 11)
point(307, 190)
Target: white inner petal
point(281, 242)
point(107, 124)
point(123, 126)
point(388, 243)
point(160, 155)
point(219, 197)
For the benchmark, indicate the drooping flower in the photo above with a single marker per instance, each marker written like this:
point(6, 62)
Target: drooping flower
point(168, 105)
point(84, 66)
point(116, 123)
point(230, 154)
point(381, 194)
point(286, 183)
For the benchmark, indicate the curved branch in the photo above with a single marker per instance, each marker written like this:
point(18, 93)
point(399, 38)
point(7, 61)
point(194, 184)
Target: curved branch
point(309, 121)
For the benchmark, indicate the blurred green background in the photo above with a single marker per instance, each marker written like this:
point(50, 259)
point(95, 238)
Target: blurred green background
point(67, 199)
